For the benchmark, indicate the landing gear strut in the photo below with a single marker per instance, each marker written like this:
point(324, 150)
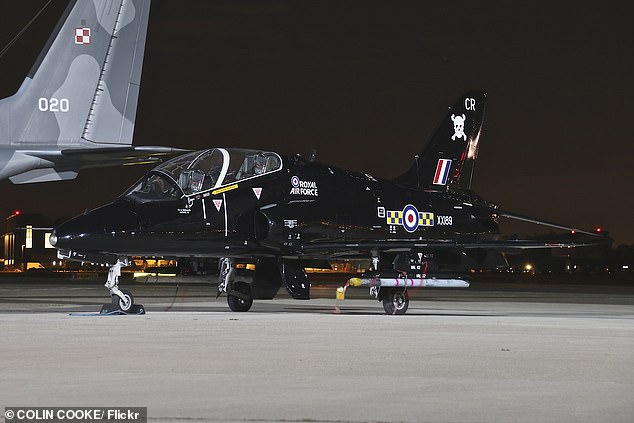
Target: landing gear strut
point(122, 300)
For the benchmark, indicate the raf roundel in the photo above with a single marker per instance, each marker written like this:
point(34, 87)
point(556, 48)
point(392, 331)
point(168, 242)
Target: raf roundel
point(410, 218)
point(295, 181)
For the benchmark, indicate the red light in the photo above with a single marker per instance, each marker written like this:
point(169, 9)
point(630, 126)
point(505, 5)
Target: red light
point(573, 232)
point(599, 230)
point(17, 212)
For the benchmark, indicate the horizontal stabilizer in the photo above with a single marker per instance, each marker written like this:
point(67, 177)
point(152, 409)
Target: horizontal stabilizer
point(59, 165)
point(42, 175)
point(123, 153)
point(515, 216)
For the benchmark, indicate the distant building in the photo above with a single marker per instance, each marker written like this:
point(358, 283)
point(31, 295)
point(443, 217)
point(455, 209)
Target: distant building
point(25, 242)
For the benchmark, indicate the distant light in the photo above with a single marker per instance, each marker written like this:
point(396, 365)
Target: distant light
point(528, 267)
point(17, 212)
point(625, 267)
point(573, 232)
point(599, 230)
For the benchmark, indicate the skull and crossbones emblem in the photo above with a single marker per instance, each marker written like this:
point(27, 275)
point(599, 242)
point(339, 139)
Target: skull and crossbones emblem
point(458, 127)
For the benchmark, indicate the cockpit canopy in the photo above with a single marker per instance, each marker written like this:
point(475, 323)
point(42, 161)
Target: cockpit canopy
point(203, 170)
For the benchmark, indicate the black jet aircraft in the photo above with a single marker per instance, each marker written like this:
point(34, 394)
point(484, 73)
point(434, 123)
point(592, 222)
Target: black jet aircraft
point(281, 213)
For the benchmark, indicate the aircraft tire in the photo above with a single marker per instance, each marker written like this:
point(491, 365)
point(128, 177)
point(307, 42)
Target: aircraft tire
point(119, 302)
point(396, 301)
point(237, 304)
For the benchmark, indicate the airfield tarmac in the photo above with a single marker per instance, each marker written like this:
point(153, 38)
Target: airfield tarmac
point(512, 353)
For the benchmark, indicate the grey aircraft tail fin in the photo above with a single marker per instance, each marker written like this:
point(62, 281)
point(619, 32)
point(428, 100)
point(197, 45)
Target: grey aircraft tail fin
point(447, 160)
point(83, 88)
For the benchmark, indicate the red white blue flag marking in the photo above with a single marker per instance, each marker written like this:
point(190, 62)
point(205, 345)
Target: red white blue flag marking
point(442, 172)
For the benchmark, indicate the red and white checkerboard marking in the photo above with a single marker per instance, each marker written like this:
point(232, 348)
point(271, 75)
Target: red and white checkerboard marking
point(82, 35)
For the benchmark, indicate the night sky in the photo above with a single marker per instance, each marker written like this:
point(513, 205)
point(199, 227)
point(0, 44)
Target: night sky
point(366, 82)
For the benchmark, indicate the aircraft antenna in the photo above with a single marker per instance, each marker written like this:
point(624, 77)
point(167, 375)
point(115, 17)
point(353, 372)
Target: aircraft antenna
point(417, 172)
point(23, 30)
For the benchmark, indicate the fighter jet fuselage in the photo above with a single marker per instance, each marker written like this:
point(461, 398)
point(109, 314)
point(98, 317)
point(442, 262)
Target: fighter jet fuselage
point(293, 208)
point(423, 228)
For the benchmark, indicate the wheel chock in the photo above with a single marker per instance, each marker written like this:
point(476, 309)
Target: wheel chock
point(112, 310)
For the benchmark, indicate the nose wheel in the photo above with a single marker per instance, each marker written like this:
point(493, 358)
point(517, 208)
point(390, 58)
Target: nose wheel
point(122, 299)
point(126, 303)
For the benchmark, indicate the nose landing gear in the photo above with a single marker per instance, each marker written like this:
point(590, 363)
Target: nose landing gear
point(122, 299)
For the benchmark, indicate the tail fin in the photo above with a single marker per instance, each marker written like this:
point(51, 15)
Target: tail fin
point(85, 83)
point(447, 159)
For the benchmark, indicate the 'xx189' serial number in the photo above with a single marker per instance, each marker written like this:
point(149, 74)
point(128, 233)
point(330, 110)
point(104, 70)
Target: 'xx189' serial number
point(445, 220)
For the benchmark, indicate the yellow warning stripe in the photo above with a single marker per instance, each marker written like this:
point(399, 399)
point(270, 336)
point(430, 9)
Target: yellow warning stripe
point(224, 189)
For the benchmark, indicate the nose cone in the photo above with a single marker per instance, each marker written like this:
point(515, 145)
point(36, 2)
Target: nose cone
point(100, 230)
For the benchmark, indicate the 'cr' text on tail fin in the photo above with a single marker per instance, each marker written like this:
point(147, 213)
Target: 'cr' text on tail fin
point(447, 159)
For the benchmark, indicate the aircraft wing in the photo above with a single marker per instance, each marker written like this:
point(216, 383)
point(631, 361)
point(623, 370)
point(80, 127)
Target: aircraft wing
point(401, 245)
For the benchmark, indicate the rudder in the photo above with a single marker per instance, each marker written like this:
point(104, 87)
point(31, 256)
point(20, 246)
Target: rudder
point(448, 157)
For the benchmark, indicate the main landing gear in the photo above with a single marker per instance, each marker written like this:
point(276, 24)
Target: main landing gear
point(239, 295)
point(395, 300)
point(243, 285)
point(239, 298)
point(122, 299)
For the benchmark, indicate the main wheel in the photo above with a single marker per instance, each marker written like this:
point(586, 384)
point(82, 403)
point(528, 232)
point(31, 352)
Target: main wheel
point(396, 301)
point(124, 305)
point(242, 303)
